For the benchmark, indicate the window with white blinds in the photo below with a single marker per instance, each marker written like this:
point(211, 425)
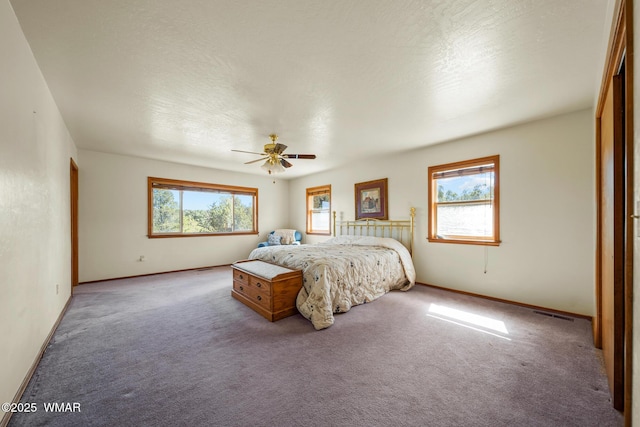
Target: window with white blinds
point(464, 200)
point(319, 210)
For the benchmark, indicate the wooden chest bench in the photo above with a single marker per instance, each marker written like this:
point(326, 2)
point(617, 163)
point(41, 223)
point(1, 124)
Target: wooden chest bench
point(269, 289)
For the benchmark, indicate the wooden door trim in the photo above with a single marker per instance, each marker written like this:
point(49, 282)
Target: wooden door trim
point(615, 56)
point(620, 49)
point(618, 45)
point(618, 235)
point(596, 323)
point(73, 196)
point(629, 209)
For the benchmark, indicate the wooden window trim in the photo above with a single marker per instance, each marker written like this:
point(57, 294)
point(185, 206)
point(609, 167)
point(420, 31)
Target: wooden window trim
point(312, 191)
point(469, 166)
point(173, 184)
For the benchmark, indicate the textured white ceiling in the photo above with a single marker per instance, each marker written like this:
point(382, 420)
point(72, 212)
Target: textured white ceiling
point(190, 80)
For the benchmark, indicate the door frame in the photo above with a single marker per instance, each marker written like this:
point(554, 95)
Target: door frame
point(620, 50)
point(73, 197)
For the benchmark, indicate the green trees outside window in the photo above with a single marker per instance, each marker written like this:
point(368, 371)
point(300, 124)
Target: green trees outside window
point(188, 208)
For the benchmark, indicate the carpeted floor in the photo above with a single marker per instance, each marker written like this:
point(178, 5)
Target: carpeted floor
point(176, 349)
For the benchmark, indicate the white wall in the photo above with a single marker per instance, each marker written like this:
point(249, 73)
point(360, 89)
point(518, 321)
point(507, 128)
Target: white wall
point(113, 218)
point(35, 247)
point(547, 212)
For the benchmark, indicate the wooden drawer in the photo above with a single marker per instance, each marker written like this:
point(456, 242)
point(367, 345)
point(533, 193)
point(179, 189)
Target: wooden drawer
point(240, 276)
point(261, 284)
point(254, 294)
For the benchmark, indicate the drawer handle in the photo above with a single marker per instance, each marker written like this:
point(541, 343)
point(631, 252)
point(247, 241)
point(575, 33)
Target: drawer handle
point(241, 276)
point(241, 288)
point(259, 284)
point(259, 298)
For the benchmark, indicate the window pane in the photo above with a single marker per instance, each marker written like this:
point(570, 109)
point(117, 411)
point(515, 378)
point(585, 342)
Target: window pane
point(196, 206)
point(320, 220)
point(243, 213)
point(166, 211)
point(474, 220)
point(320, 213)
point(320, 201)
point(219, 217)
point(473, 187)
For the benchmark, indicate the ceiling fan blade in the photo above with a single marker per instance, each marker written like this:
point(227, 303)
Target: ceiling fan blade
point(299, 156)
point(279, 148)
point(257, 160)
point(249, 152)
point(284, 163)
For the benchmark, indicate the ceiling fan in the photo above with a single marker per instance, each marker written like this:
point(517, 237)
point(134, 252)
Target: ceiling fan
point(275, 159)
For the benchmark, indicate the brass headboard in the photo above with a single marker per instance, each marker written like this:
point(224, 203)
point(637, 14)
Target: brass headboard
point(401, 230)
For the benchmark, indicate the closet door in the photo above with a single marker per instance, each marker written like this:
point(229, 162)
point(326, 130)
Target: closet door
point(611, 238)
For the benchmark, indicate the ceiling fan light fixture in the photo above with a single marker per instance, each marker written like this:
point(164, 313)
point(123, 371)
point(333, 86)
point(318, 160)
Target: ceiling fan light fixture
point(273, 167)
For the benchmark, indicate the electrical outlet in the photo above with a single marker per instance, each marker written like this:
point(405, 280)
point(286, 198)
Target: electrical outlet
point(141, 259)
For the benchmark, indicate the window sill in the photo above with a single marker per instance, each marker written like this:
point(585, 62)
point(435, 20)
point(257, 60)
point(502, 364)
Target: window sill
point(169, 235)
point(466, 242)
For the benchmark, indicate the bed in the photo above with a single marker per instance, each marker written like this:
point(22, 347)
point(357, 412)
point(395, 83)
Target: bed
point(363, 261)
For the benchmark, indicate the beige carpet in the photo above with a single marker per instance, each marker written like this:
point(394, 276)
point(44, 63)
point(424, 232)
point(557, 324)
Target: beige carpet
point(176, 349)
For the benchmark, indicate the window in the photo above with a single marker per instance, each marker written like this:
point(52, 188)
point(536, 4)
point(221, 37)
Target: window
point(319, 210)
point(183, 208)
point(464, 202)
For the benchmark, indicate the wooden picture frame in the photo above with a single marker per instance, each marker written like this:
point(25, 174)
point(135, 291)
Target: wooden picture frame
point(371, 199)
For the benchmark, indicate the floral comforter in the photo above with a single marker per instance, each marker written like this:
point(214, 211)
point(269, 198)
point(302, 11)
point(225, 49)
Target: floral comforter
point(343, 272)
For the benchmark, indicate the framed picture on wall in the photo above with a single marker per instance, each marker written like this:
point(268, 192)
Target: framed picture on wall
point(371, 199)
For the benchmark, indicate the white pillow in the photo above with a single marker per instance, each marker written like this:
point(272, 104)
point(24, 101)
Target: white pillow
point(274, 240)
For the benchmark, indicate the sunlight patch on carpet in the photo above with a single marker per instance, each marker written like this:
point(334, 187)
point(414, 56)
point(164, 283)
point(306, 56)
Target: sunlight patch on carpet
point(469, 320)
